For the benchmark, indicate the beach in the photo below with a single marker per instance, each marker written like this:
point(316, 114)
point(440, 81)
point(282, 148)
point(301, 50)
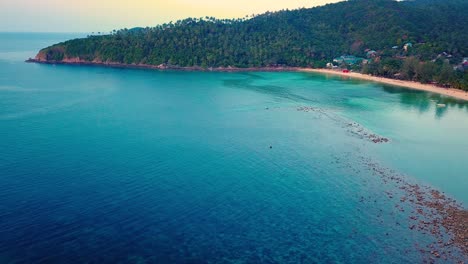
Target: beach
point(451, 92)
point(317, 163)
point(455, 93)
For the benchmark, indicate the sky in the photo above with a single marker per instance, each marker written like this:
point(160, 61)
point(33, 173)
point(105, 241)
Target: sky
point(106, 15)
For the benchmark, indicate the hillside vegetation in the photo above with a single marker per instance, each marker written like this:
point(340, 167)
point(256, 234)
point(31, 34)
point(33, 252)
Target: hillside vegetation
point(436, 29)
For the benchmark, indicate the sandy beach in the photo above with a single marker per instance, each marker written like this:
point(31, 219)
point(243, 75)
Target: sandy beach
point(459, 94)
point(455, 93)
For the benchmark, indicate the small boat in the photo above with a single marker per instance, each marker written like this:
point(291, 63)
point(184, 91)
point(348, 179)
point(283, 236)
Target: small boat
point(441, 105)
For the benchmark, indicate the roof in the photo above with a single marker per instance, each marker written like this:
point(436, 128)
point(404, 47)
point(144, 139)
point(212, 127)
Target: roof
point(348, 59)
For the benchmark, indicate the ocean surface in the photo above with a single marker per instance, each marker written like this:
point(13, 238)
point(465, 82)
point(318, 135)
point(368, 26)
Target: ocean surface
point(102, 165)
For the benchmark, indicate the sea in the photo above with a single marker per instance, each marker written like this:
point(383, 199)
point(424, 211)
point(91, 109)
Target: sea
point(109, 165)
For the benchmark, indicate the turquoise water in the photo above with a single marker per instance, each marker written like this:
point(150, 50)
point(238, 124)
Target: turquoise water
point(112, 165)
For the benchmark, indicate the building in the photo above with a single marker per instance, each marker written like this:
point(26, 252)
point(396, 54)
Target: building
point(348, 59)
point(371, 54)
point(407, 46)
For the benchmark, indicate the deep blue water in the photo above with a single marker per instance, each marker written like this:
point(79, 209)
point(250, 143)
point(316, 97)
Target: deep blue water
point(101, 165)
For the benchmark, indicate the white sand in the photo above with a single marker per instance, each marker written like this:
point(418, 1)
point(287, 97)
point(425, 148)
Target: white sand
point(456, 93)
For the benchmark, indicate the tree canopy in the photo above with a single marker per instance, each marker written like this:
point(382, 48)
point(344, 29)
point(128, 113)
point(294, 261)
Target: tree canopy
point(300, 38)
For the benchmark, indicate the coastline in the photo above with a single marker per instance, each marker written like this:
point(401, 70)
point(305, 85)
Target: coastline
point(431, 211)
point(450, 92)
point(77, 62)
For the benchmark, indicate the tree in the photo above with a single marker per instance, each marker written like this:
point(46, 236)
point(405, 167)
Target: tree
point(409, 68)
point(297, 38)
point(446, 73)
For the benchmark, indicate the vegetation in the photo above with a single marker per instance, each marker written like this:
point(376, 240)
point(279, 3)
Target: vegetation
point(437, 30)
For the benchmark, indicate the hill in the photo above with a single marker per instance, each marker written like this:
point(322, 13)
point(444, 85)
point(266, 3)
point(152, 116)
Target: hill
point(435, 32)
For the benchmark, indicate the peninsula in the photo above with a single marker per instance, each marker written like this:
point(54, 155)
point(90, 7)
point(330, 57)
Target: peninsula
point(421, 44)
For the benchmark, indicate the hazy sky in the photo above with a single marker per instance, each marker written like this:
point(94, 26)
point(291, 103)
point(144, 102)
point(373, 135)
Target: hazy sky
point(105, 15)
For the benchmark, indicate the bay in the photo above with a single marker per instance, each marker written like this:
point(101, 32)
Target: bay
point(120, 165)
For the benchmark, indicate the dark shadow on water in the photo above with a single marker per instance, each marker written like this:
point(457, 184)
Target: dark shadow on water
point(307, 76)
point(440, 112)
point(272, 90)
point(425, 101)
point(253, 75)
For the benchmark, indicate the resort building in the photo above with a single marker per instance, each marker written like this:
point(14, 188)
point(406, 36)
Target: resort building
point(348, 59)
point(371, 54)
point(407, 46)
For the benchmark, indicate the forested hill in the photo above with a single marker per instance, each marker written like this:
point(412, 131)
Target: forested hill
point(437, 31)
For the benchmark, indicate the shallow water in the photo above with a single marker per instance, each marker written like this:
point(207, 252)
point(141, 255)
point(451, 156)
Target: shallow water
point(109, 165)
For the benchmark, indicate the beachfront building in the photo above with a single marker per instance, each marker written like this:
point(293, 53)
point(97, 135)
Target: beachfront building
point(348, 59)
point(371, 54)
point(463, 66)
point(407, 46)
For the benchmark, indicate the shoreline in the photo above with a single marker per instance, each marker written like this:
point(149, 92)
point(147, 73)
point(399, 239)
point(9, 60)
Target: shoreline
point(450, 92)
point(429, 210)
point(165, 67)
